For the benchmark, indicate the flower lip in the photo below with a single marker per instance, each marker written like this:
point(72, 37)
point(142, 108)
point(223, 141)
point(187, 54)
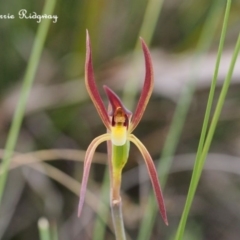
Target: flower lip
point(119, 118)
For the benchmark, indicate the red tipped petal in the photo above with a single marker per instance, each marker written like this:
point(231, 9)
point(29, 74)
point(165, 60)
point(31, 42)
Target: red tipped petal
point(87, 164)
point(115, 101)
point(91, 86)
point(153, 176)
point(146, 90)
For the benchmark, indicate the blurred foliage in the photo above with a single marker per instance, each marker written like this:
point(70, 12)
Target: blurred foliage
point(60, 115)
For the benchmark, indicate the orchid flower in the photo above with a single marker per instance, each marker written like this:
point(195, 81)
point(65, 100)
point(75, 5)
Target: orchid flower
point(120, 124)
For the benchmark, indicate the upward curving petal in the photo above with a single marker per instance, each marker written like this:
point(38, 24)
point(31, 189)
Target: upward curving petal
point(91, 86)
point(153, 175)
point(87, 164)
point(146, 90)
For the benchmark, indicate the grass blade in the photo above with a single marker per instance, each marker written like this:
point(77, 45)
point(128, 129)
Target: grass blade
point(146, 31)
point(103, 213)
point(179, 120)
point(200, 159)
point(26, 87)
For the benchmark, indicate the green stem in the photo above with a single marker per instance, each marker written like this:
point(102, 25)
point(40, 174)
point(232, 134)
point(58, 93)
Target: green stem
point(43, 227)
point(119, 156)
point(116, 207)
point(26, 87)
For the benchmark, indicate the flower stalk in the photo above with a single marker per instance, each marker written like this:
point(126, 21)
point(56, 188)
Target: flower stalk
point(116, 207)
point(119, 156)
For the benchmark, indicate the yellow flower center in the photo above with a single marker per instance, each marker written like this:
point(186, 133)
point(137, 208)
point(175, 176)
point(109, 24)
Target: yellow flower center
point(119, 135)
point(119, 128)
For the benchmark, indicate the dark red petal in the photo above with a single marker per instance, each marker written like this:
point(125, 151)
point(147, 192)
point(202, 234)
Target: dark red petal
point(146, 90)
point(153, 176)
point(91, 86)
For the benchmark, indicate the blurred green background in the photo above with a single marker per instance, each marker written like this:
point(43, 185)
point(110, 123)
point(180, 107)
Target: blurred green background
point(61, 119)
